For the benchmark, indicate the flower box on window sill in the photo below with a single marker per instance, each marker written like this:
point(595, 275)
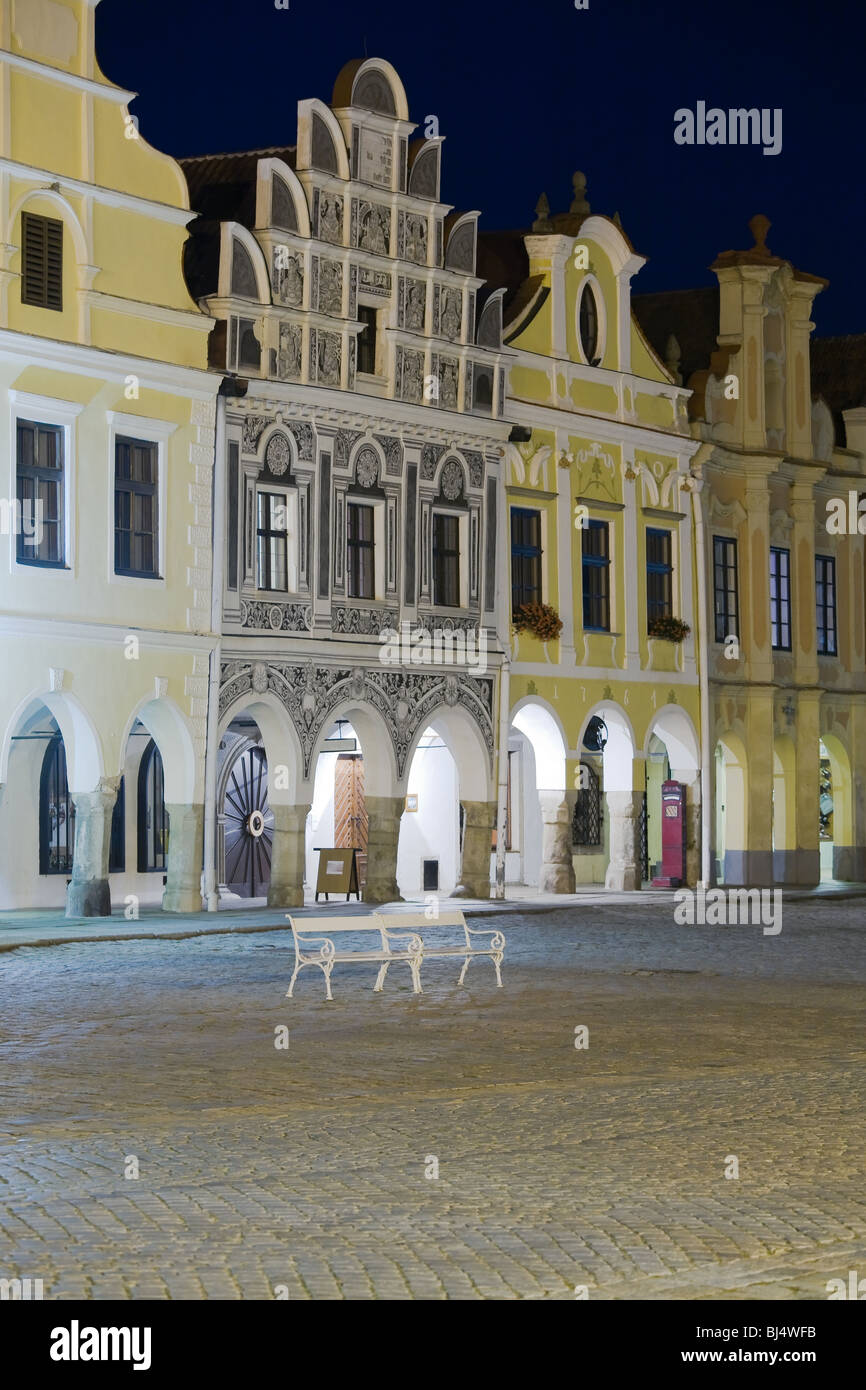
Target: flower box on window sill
point(668, 629)
point(540, 619)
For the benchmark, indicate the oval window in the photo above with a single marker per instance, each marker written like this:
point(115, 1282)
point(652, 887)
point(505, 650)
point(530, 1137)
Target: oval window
point(588, 325)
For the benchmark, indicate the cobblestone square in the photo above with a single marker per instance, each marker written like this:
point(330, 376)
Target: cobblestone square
point(303, 1172)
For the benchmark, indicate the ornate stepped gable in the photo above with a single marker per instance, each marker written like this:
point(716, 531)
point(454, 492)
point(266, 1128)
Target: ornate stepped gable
point(343, 225)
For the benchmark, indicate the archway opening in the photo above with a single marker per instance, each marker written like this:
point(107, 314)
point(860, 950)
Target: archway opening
point(428, 855)
point(37, 809)
point(835, 811)
point(538, 815)
point(672, 754)
point(245, 821)
point(338, 817)
point(731, 821)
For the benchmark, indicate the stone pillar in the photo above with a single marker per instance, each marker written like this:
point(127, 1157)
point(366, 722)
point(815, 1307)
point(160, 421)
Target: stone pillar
point(185, 856)
point(806, 867)
point(624, 869)
point(691, 780)
point(383, 834)
point(557, 868)
point(288, 856)
point(477, 841)
point(756, 867)
point(89, 895)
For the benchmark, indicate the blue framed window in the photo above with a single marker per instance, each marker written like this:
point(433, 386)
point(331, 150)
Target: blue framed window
point(39, 492)
point(780, 598)
point(136, 518)
point(825, 601)
point(725, 587)
point(595, 569)
point(525, 557)
point(659, 574)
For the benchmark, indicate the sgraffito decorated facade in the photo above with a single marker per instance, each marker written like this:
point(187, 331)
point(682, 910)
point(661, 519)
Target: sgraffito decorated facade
point(358, 471)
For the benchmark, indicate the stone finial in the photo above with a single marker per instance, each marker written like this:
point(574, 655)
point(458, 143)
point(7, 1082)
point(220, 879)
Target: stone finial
point(579, 204)
point(673, 357)
point(759, 227)
point(542, 221)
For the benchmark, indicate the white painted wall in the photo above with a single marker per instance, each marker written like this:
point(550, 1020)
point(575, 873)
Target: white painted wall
point(524, 866)
point(320, 821)
point(432, 831)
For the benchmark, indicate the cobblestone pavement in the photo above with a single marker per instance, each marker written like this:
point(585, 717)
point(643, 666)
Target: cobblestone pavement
point(558, 1167)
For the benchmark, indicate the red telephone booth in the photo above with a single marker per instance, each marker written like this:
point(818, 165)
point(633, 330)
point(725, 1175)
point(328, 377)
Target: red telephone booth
point(673, 836)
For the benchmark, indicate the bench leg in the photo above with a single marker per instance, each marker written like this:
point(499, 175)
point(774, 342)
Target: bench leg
point(380, 978)
point(463, 971)
point(496, 963)
point(326, 970)
point(415, 967)
point(292, 983)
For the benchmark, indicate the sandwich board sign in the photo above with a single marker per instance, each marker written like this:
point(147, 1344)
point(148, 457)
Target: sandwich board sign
point(338, 873)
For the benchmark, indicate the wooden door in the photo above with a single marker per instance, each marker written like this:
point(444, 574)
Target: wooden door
point(350, 810)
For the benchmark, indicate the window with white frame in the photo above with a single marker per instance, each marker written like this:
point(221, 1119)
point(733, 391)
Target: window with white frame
point(137, 478)
point(360, 551)
point(136, 507)
point(37, 507)
point(591, 321)
point(39, 494)
point(450, 533)
point(276, 539)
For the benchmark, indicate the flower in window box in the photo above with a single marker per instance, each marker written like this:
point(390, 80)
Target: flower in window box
point(540, 619)
point(668, 629)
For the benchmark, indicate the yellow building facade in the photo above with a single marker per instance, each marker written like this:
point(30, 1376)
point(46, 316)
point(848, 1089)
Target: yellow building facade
point(106, 458)
point(598, 507)
point(783, 555)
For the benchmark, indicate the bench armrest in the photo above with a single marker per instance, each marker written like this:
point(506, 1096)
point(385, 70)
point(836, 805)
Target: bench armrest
point(389, 934)
point(497, 938)
point(308, 939)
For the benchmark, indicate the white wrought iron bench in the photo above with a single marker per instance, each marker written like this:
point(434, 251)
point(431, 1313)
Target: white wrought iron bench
point(314, 945)
point(470, 947)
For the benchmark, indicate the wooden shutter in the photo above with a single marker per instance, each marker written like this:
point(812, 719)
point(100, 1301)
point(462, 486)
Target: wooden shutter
point(42, 261)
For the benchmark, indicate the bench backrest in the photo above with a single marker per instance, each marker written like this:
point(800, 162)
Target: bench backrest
point(323, 926)
point(419, 921)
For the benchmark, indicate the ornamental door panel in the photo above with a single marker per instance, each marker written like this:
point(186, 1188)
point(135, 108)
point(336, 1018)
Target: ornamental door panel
point(350, 809)
point(249, 826)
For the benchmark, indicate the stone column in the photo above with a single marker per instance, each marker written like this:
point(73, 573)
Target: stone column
point(557, 868)
point(185, 857)
point(624, 869)
point(806, 867)
point(383, 833)
point(693, 821)
point(477, 841)
point(756, 869)
point(89, 895)
point(288, 856)
point(849, 859)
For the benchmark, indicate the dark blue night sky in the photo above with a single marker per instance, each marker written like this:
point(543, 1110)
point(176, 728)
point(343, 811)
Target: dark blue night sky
point(527, 93)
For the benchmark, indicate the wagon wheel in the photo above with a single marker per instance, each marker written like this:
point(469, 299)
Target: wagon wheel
point(249, 824)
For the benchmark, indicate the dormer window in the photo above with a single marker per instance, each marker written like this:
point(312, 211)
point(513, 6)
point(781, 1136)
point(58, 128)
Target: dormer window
point(588, 326)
